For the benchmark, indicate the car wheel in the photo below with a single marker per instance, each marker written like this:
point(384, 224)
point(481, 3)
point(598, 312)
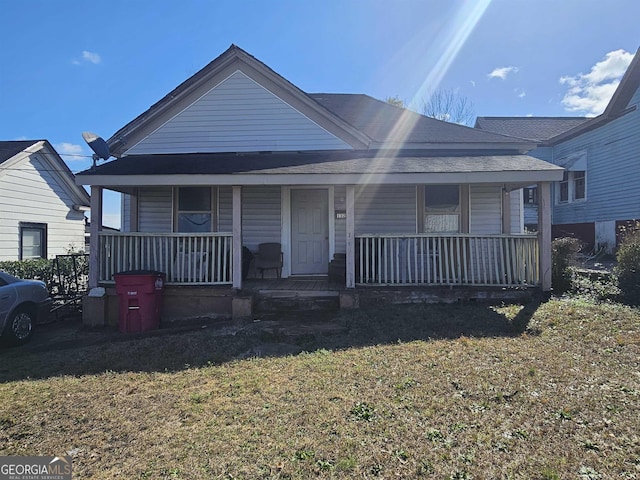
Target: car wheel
point(19, 328)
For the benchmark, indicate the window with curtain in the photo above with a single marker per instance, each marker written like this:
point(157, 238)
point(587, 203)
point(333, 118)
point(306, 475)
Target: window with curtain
point(195, 210)
point(442, 209)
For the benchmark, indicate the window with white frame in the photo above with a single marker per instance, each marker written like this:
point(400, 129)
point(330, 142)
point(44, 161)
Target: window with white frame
point(573, 187)
point(195, 211)
point(442, 209)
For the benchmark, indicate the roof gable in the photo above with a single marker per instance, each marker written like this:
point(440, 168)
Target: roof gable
point(54, 166)
point(221, 73)
point(10, 149)
point(238, 115)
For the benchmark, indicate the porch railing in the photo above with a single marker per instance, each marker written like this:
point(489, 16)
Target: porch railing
point(475, 260)
point(186, 259)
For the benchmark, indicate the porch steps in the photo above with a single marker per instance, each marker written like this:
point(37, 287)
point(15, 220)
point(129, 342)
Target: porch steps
point(270, 301)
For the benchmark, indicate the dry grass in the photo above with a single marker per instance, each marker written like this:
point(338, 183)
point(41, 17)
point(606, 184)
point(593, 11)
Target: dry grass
point(549, 391)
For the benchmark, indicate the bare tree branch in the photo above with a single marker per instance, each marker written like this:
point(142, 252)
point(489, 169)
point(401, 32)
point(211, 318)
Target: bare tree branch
point(395, 101)
point(447, 105)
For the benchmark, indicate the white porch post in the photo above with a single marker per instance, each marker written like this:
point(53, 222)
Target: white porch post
point(544, 234)
point(94, 230)
point(237, 237)
point(351, 249)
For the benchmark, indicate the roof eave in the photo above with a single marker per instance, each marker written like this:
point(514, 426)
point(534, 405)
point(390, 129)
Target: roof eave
point(474, 146)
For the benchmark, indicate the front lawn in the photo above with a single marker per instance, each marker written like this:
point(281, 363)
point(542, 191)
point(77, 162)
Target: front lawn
point(549, 391)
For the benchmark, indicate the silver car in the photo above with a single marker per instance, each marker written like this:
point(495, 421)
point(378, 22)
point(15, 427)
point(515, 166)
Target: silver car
point(22, 304)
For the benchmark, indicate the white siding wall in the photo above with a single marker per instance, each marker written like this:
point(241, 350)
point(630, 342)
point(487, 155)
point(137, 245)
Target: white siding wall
point(155, 209)
point(238, 115)
point(486, 209)
point(385, 209)
point(517, 214)
point(32, 193)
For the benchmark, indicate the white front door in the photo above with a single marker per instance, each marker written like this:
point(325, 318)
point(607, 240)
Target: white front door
point(309, 231)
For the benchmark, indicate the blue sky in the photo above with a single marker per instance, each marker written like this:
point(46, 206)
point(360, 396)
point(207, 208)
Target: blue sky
point(70, 66)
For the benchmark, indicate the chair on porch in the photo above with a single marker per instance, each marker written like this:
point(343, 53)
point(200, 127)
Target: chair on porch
point(269, 257)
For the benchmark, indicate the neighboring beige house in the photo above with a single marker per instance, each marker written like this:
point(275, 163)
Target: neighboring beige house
point(238, 156)
point(41, 207)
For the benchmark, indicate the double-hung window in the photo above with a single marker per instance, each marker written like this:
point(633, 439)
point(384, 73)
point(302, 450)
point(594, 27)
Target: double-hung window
point(442, 209)
point(195, 213)
point(33, 240)
point(573, 187)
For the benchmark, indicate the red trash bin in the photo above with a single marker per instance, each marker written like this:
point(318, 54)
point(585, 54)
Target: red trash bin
point(140, 299)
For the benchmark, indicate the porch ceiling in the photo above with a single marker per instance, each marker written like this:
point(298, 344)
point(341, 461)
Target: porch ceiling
point(318, 168)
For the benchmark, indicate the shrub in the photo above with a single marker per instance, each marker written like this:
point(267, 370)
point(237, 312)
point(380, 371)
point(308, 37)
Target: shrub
point(32, 269)
point(628, 268)
point(563, 253)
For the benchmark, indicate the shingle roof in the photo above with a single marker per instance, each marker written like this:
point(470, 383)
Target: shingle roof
point(9, 149)
point(384, 122)
point(314, 163)
point(530, 128)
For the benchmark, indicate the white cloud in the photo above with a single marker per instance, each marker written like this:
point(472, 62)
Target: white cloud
point(473, 84)
point(87, 57)
point(91, 57)
point(590, 92)
point(66, 149)
point(520, 92)
point(502, 72)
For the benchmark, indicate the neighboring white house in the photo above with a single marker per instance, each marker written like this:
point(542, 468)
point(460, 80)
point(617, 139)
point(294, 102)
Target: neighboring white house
point(41, 207)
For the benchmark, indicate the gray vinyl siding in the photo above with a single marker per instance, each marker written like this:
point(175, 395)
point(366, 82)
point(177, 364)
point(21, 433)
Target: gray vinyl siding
point(125, 213)
point(225, 209)
point(486, 209)
point(155, 209)
point(385, 209)
point(613, 171)
point(261, 217)
point(33, 193)
point(238, 115)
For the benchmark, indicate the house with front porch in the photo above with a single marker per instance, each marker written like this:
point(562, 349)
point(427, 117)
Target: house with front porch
point(237, 156)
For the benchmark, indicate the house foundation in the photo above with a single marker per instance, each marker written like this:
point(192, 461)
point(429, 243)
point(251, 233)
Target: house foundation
point(184, 304)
